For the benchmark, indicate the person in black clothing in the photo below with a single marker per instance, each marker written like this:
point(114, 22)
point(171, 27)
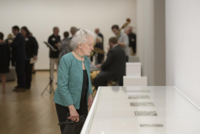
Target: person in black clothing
point(8, 41)
point(4, 61)
point(20, 57)
point(31, 53)
point(99, 44)
point(54, 40)
point(97, 31)
point(114, 66)
point(132, 39)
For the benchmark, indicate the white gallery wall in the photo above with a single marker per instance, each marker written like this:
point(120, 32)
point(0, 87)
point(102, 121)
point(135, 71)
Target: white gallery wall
point(151, 40)
point(145, 37)
point(183, 46)
point(40, 16)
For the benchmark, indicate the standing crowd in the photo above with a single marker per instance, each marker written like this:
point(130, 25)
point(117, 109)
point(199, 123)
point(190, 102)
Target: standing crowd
point(23, 49)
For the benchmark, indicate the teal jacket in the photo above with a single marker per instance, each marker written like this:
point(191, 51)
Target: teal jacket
point(70, 81)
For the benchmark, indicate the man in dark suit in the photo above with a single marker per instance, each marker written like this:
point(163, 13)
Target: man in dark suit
point(114, 66)
point(54, 40)
point(19, 56)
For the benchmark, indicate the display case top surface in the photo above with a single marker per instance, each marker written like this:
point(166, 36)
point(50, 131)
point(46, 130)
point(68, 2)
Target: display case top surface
point(142, 110)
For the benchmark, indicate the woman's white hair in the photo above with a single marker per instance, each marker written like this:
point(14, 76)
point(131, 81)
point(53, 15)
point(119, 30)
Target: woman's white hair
point(80, 38)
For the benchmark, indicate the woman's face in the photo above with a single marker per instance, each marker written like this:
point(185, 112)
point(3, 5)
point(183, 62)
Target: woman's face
point(23, 32)
point(88, 46)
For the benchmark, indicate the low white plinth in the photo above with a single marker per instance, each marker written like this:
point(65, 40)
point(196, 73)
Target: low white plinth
point(135, 81)
point(133, 69)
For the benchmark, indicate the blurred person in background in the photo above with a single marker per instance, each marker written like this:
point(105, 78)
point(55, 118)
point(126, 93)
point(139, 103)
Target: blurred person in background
point(9, 40)
point(123, 40)
point(97, 31)
point(33, 68)
point(99, 44)
point(132, 40)
point(74, 91)
point(31, 54)
point(72, 31)
point(19, 57)
point(64, 46)
point(54, 41)
point(4, 61)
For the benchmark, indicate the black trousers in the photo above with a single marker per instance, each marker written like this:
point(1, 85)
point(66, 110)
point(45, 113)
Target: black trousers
point(28, 72)
point(100, 57)
point(127, 58)
point(62, 113)
point(102, 78)
point(21, 77)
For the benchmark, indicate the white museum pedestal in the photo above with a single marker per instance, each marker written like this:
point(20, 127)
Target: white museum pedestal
point(133, 75)
point(133, 69)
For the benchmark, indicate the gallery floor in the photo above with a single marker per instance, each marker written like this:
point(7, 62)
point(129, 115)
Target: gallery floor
point(28, 112)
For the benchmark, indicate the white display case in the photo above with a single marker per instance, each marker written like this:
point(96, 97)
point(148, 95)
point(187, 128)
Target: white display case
point(141, 110)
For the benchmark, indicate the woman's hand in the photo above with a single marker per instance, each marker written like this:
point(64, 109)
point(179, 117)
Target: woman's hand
point(74, 116)
point(90, 101)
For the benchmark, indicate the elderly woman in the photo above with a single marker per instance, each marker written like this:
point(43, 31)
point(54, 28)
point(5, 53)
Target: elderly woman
point(74, 93)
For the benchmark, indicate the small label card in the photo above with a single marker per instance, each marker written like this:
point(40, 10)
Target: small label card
point(143, 104)
point(145, 113)
point(151, 125)
point(139, 97)
point(139, 91)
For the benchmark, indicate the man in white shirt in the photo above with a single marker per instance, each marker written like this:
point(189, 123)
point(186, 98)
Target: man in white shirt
point(123, 40)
